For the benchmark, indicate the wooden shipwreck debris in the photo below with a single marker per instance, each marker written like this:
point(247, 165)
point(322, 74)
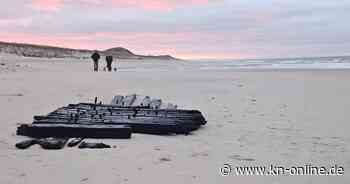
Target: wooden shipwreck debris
point(52, 143)
point(85, 145)
point(146, 101)
point(45, 143)
point(124, 116)
point(74, 142)
point(135, 100)
point(26, 144)
point(39, 130)
point(117, 100)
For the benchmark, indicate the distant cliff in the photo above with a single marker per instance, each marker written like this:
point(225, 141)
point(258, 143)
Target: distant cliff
point(43, 51)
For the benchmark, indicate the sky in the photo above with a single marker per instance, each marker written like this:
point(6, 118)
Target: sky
point(189, 29)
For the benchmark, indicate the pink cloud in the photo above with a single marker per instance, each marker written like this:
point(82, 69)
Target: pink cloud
point(158, 5)
point(48, 5)
point(23, 22)
point(151, 5)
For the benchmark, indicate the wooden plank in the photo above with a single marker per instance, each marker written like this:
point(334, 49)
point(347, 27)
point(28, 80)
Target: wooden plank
point(156, 103)
point(74, 142)
point(26, 143)
point(146, 102)
point(137, 126)
point(138, 101)
point(151, 126)
point(52, 143)
point(168, 106)
point(141, 101)
point(90, 145)
point(91, 107)
point(75, 130)
point(132, 116)
point(128, 100)
point(117, 100)
point(120, 119)
point(172, 106)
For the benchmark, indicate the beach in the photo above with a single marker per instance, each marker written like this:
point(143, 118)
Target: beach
point(255, 118)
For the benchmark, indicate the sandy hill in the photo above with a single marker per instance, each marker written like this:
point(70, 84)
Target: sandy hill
point(32, 50)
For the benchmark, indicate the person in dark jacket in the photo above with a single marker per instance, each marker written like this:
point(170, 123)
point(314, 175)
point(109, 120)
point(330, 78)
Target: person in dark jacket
point(109, 60)
point(95, 57)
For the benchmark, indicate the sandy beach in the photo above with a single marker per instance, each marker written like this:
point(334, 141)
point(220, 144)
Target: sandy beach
point(255, 117)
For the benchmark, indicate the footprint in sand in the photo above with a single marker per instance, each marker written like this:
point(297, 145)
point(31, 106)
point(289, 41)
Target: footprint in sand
point(282, 126)
point(84, 179)
point(22, 175)
point(219, 125)
point(240, 158)
point(12, 94)
point(200, 154)
point(328, 145)
point(165, 159)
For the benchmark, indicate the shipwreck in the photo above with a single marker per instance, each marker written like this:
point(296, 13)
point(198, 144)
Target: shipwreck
point(118, 120)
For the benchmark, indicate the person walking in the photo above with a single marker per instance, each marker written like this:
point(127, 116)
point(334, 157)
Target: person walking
point(109, 60)
point(95, 57)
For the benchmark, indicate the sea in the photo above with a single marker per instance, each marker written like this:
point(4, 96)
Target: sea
point(339, 62)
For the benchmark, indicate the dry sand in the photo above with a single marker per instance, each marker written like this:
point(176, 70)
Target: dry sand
point(287, 118)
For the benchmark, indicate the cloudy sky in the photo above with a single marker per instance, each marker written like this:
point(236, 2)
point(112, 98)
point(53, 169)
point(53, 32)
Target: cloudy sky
point(184, 28)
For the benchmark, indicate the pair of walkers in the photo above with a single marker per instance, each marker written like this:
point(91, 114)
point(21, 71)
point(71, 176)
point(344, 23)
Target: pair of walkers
point(96, 57)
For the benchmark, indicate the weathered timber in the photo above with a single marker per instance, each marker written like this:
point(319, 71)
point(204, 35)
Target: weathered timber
point(146, 102)
point(139, 113)
point(120, 120)
point(74, 142)
point(105, 109)
point(52, 143)
point(141, 101)
point(136, 127)
point(156, 103)
point(138, 101)
point(89, 106)
point(196, 118)
point(129, 100)
point(26, 144)
point(84, 107)
point(85, 145)
point(168, 106)
point(141, 120)
point(53, 129)
point(117, 100)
